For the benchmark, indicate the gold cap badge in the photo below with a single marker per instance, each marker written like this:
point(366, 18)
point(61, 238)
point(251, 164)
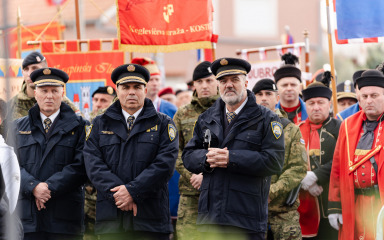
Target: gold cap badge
point(224, 62)
point(131, 68)
point(47, 71)
point(110, 90)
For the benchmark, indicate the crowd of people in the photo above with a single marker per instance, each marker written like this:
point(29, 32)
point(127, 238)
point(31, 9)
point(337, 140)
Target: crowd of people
point(215, 161)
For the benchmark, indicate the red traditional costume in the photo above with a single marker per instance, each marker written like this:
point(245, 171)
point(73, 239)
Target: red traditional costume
point(320, 141)
point(353, 178)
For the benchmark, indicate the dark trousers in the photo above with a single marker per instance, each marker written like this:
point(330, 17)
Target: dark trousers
point(51, 236)
point(137, 235)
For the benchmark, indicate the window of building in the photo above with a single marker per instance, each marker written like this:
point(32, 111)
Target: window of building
point(256, 18)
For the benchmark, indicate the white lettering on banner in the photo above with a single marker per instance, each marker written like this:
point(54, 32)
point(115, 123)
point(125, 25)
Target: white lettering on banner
point(262, 70)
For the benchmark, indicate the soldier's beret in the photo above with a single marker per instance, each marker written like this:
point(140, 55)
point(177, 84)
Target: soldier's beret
point(230, 66)
point(356, 75)
point(345, 90)
point(264, 84)
point(202, 70)
point(166, 90)
point(32, 58)
point(149, 64)
point(130, 73)
point(287, 71)
point(371, 77)
point(105, 90)
point(317, 89)
point(49, 77)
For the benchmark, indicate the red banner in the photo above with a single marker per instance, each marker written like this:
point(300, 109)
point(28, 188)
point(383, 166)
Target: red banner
point(30, 33)
point(87, 72)
point(163, 25)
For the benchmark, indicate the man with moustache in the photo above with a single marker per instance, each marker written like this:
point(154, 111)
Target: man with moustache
point(130, 155)
point(283, 217)
point(320, 133)
point(205, 94)
point(153, 87)
point(237, 145)
point(356, 192)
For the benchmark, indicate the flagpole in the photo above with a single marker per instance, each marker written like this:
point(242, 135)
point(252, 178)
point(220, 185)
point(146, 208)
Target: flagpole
point(213, 43)
point(130, 56)
point(59, 21)
point(307, 50)
point(18, 33)
point(331, 62)
point(78, 32)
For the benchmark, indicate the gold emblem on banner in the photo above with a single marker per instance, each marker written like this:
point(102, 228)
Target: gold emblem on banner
point(168, 10)
point(131, 68)
point(223, 62)
point(47, 71)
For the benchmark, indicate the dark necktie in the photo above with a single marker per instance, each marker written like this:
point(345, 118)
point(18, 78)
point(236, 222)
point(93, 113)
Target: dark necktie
point(366, 141)
point(48, 124)
point(231, 116)
point(130, 122)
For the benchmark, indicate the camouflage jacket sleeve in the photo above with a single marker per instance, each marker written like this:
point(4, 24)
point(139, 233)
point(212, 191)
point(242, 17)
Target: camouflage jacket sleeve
point(179, 163)
point(295, 164)
point(72, 105)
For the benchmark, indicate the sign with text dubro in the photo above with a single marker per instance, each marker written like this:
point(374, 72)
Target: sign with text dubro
point(87, 71)
point(164, 25)
point(261, 70)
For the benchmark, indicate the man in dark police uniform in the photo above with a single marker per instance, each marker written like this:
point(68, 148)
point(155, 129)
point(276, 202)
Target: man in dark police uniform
point(130, 155)
point(237, 145)
point(49, 143)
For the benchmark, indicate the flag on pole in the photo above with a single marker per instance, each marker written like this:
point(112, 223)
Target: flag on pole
point(359, 21)
point(30, 33)
point(164, 26)
point(204, 55)
point(55, 2)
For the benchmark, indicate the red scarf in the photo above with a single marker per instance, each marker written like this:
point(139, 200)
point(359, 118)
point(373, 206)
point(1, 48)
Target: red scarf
point(309, 205)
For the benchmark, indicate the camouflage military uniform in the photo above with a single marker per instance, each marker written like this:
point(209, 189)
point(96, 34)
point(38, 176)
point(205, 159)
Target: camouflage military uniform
point(185, 119)
point(90, 212)
point(93, 114)
point(284, 220)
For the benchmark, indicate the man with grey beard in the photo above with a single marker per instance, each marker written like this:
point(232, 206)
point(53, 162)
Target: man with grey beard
point(237, 145)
